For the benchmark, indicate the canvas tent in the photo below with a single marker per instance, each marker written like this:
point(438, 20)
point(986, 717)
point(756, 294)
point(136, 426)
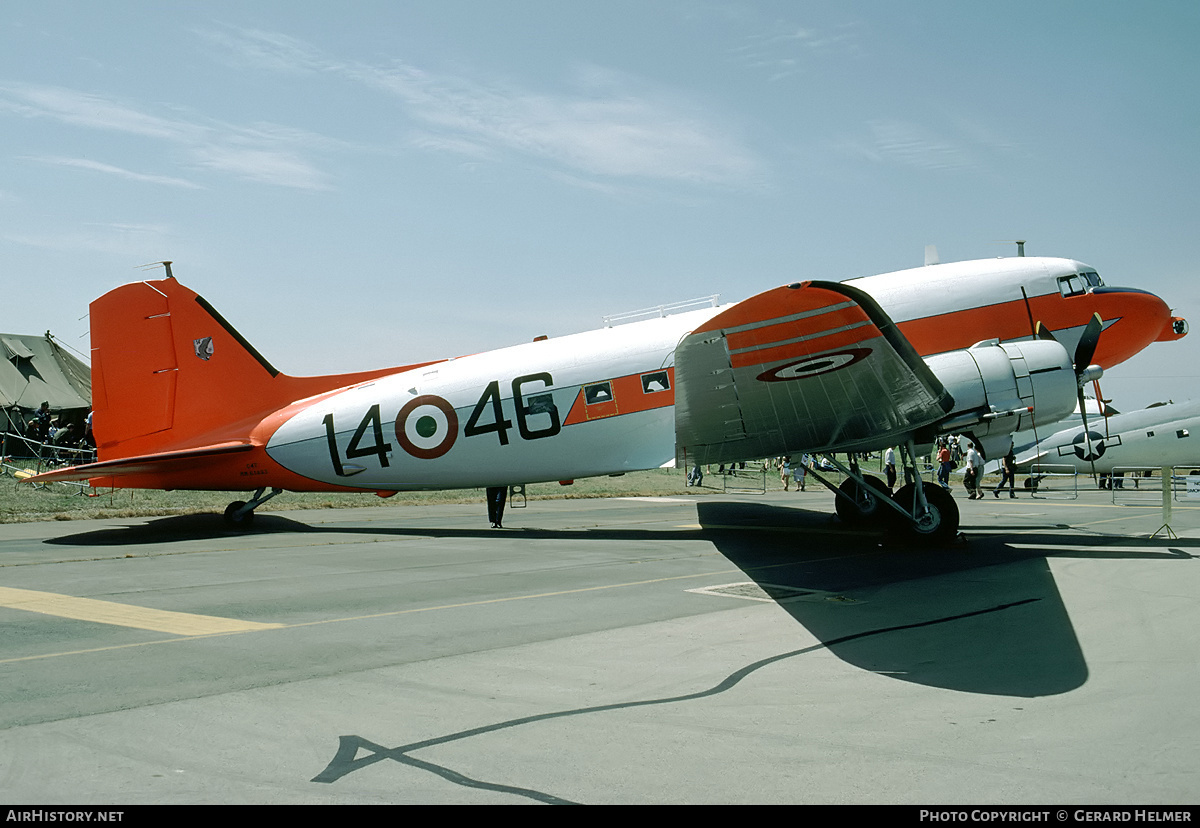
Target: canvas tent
point(36, 369)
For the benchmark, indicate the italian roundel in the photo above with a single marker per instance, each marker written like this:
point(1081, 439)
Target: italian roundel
point(814, 366)
point(426, 427)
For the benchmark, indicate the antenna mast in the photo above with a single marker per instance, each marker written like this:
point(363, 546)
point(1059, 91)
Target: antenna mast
point(166, 266)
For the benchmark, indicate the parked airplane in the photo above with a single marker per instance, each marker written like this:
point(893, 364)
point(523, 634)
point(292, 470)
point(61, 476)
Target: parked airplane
point(183, 401)
point(1161, 435)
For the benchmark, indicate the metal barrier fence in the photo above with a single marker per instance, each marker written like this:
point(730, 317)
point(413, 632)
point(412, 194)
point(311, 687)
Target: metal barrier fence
point(22, 457)
point(743, 480)
point(1053, 482)
point(1143, 485)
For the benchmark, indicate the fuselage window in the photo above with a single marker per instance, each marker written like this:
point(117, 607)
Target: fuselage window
point(601, 392)
point(657, 381)
point(1183, 432)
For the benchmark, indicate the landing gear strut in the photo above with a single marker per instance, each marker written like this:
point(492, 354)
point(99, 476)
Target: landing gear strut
point(240, 513)
point(917, 513)
point(861, 503)
point(935, 522)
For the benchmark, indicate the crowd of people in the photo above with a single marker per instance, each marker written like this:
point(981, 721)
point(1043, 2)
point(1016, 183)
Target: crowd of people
point(949, 454)
point(48, 435)
point(952, 452)
point(790, 471)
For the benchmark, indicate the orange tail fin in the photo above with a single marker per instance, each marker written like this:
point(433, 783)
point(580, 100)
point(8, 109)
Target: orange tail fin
point(169, 373)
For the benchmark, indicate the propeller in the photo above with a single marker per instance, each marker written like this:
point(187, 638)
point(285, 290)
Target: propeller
point(1085, 371)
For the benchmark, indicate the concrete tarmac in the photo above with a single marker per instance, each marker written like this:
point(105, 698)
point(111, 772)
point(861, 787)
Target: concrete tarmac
point(714, 649)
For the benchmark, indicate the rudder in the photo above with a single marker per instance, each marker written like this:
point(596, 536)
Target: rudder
point(168, 370)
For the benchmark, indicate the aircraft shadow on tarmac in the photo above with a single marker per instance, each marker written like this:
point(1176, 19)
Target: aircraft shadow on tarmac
point(980, 617)
point(203, 526)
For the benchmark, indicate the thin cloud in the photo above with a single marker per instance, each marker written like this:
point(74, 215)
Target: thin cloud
point(70, 106)
point(109, 169)
point(123, 240)
point(785, 49)
point(266, 166)
point(618, 133)
point(610, 127)
point(262, 152)
point(911, 145)
point(258, 49)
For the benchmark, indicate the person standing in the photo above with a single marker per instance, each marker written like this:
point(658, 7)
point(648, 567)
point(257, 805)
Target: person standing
point(973, 473)
point(945, 465)
point(889, 467)
point(1008, 473)
point(800, 472)
point(497, 496)
point(43, 422)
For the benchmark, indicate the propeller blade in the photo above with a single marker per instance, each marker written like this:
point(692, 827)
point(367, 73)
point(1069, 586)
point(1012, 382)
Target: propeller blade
point(1087, 435)
point(1082, 361)
point(1042, 332)
point(1086, 348)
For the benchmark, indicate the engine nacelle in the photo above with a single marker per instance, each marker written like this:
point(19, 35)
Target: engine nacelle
point(1002, 388)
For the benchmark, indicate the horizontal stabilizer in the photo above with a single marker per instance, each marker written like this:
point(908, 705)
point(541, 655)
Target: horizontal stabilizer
point(161, 463)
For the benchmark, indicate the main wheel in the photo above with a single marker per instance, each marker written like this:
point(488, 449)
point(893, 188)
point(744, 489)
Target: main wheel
point(861, 505)
point(236, 521)
point(937, 525)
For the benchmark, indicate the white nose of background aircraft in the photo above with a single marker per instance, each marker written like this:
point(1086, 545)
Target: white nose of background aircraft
point(183, 401)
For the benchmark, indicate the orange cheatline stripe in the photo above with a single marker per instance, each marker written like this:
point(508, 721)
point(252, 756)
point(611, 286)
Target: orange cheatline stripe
point(628, 398)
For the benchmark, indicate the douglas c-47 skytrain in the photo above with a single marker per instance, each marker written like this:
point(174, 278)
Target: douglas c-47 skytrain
point(982, 348)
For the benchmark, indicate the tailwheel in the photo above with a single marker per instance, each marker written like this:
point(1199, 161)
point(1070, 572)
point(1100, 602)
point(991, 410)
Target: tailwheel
point(240, 513)
point(236, 520)
point(861, 504)
point(936, 525)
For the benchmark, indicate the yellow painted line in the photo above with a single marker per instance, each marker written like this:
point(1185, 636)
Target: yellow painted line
point(382, 615)
point(124, 615)
point(1051, 548)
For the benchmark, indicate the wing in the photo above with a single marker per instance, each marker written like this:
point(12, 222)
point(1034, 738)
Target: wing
point(813, 366)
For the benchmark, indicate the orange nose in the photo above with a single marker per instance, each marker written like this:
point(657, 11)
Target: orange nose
point(1141, 318)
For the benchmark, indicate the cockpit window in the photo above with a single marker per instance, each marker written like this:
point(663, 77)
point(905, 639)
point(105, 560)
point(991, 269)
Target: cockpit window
point(1078, 283)
point(1072, 285)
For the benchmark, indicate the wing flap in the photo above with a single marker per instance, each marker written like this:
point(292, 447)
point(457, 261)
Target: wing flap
point(814, 366)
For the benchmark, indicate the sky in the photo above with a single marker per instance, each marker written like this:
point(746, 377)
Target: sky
point(364, 184)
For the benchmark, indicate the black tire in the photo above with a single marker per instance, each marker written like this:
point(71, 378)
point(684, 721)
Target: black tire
point(938, 526)
point(855, 509)
point(231, 518)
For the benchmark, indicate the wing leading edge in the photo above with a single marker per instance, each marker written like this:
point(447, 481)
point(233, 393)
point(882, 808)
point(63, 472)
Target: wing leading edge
point(812, 366)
